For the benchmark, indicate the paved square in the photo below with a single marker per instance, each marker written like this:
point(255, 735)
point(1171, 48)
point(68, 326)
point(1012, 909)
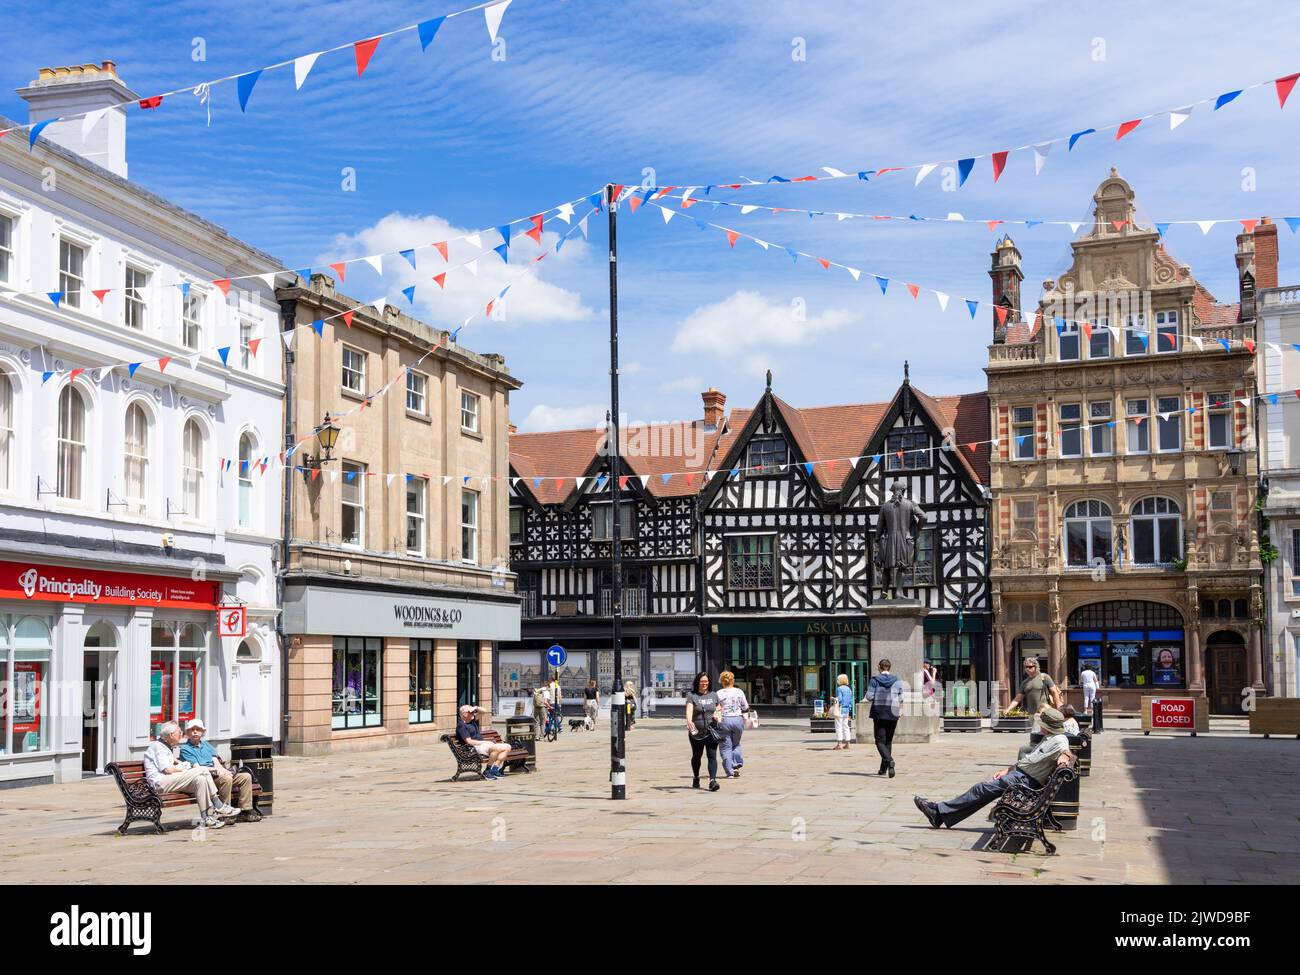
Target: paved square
point(1218, 808)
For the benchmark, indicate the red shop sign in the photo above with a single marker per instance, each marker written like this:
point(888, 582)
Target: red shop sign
point(1178, 712)
point(63, 584)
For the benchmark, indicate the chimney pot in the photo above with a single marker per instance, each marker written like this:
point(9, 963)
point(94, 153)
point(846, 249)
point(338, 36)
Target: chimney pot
point(69, 92)
point(714, 407)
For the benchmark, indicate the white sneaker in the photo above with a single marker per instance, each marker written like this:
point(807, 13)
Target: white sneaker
point(212, 822)
point(227, 812)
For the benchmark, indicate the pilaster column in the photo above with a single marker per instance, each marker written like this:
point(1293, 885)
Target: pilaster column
point(1000, 668)
point(1056, 656)
point(1255, 661)
point(1195, 660)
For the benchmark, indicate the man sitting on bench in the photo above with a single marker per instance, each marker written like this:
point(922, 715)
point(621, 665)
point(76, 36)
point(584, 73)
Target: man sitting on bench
point(200, 753)
point(467, 730)
point(165, 774)
point(1033, 771)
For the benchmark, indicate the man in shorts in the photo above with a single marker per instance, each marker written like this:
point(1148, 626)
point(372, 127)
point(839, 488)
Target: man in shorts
point(468, 731)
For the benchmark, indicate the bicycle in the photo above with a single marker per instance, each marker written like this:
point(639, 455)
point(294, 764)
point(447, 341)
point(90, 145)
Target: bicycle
point(551, 730)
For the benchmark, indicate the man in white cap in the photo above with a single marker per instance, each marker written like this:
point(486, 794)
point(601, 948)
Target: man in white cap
point(467, 730)
point(201, 754)
point(165, 774)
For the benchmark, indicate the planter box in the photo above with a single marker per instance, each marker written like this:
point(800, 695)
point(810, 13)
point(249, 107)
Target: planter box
point(1020, 725)
point(1276, 716)
point(964, 723)
point(822, 726)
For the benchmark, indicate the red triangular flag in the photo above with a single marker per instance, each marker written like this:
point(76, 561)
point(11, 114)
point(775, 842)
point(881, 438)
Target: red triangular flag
point(616, 190)
point(622, 481)
point(153, 102)
point(803, 179)
point(75, 373)
point(441, 247)
point(347, 318)
point(633, 203)
point(731, 237)
point(1284, 86)
point(888, 169)
point(830, 464)
point(488, 312)
point(993, 224)
point(826, 265)
point(224, 285)
point(252, 346)
point(999, 163)
point(535, 231)
point(688, 202)
point(1086, 329)
point(690, 479)
point(162, 363)
point(341, 269)
point(441, 279)
point(100, 294)
point(1249, 225)
point(559, 484)
point(898, 454)
point(1126, 128)
point(315, 473)
point(1118, 225)
point(1250, 346)
point(1172, 340)
point(1001, 312)
point(914, 289)
point(364, 50)
point(539, 257)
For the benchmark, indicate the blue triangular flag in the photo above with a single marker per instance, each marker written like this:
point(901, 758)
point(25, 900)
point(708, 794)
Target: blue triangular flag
point(428, 30)
point(304, 273)
point(1293, 223)
point(35, 133)
point(131, 367)
point(794, 254)
point(665, 477)
point(883, 282)
point(410, 478)
point(964, 166)
point(701, 224)
point(410, 294)
point(504, 231)
point(45, 377)
point(1142, 337)
point(452, 337)
point(1077, 136)
point(735, 471)
point(877, 458)
point(504, 251)
point(504, 291)
point(1296, 346)
point(1226, 346)
point(537, 482)
point(777, 179)
point(1272, 399)
point(971, 306)
point(409, 255)
point(351, 476)
point(244, 85)
point(1060, 325)
point(185, 291)
point(1030, 224)
point(224, 352)
point(708, 189)
point(595, 199)
point(1161, 228)
point(866, 175)
point(600, 481)
point(808, 469)
point(319, 326)
point(1191, 409)
point(560, 243)
point(1226, 97)
point(465, 479)
point(913, 216)
point(56, 297)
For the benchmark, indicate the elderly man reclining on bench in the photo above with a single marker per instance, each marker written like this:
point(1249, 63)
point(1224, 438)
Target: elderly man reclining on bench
point(1032, 770)
point(467, 730)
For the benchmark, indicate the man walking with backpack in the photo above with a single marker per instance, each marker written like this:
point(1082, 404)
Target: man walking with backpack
point(886, 697)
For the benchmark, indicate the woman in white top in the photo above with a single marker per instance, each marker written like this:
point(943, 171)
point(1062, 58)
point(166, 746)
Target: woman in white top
point(733, 704)
point(1088, 678)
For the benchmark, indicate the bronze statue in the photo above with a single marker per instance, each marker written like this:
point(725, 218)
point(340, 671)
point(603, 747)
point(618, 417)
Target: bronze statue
point(900, 522)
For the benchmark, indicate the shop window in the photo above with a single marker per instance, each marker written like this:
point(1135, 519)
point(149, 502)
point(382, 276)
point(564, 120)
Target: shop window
point(575, 674)
point(519, 672)
point(1088, 534)
point(671, 673)
point(25, 648)
point(907, 450)
point(751, 562)
point(357, 682)
point(1157, 531)
point(175, 662)
point(953, 659)
point(420, 703)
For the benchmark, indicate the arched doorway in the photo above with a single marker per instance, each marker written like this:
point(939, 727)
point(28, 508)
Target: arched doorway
point(251, 697)
point(1130, 643)
point(98, 660)
point(1225, 673)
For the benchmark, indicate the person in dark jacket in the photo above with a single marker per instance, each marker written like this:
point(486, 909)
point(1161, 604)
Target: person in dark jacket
point(885, 696)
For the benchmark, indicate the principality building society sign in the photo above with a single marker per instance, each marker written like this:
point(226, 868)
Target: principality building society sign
point(372, 612)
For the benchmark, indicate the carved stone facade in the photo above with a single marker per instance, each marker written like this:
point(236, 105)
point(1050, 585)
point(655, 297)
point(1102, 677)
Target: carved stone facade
point(1124, 470)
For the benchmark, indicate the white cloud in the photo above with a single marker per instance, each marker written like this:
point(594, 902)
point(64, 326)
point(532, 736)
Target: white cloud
point(542, 417)
point(531, 299)
point(683, 384)
point(748, 323)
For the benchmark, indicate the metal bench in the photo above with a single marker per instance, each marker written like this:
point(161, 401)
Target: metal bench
point(145, 805)
point(1022, 812)
point(470, 761)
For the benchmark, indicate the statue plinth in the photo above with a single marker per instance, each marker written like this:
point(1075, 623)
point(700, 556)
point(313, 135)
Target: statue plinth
point(897, 634)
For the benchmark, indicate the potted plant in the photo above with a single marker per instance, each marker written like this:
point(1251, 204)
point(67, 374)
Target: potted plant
point(962, 719)
point(821, 722)
point(1017, 719)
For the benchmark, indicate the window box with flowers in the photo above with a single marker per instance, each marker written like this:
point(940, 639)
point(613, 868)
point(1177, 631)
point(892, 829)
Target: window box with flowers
point(1017, 720)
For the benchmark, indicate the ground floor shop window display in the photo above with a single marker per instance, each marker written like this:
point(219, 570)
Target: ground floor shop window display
point(358, 666)
point(421, 693)
point(574, 676)
point(175, 662)
point(519, 673)
point(1134, 645)
point(670, 675)
point(631, 668)
point(25, 649)
point(789, 670)
point(953, 658)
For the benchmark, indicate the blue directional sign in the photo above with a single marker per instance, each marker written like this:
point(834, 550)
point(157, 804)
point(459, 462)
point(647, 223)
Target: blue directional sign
point(557, 656)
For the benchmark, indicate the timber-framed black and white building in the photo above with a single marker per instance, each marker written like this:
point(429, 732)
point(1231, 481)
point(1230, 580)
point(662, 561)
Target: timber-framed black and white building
point(751, 545)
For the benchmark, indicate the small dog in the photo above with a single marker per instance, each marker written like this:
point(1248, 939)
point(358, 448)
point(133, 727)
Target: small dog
point(581, 724)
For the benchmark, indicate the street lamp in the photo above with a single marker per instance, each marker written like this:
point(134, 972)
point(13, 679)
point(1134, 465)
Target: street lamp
point(1234, 460)
point(327, 435)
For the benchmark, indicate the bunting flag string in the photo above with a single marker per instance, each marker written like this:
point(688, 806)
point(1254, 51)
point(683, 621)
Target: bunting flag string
point(1282, 87)
point(943, 298)
point(362, 51)
point(407, 254)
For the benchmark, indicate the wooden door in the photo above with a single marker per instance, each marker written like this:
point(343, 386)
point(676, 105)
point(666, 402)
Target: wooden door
point(1228, 677)
point(90, 713)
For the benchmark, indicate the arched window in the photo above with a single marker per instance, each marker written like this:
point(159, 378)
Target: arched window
point(247, 652)
point(135, 458)
point(1157, 531)
point(72, 443)
point(1088, 533)
point(6, 430)
point(246, 481)
point(192, 469)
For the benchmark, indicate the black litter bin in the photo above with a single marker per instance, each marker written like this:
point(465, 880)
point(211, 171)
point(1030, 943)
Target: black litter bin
point(254, 752)
point(521, 731)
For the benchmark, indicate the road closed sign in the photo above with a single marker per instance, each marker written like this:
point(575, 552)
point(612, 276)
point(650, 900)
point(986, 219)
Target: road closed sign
point(1174, 714)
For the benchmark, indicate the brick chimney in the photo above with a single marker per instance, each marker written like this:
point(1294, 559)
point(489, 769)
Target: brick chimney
point(1265, 254)
point(714, 407)
point(72, 91)
point(513, 428)
point(1006, 275)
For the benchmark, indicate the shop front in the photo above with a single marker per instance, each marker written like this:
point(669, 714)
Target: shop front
point(373, 663)
point(92, 660)
point(1134, 647)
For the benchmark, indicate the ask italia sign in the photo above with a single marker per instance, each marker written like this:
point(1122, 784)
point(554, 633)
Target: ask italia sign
point(373, 612)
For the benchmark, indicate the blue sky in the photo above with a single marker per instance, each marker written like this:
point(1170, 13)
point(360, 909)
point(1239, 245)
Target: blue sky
point(593, 91)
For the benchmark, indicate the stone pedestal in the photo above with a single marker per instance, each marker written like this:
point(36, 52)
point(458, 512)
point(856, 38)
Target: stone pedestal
point(897, 636)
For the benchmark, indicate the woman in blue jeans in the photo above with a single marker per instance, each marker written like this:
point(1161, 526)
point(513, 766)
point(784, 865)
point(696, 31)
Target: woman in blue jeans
point(733, 704)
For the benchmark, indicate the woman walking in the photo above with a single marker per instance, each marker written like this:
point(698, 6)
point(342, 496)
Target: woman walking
point(733, 704)
point(884, 694)
point(844, 720)
point(591, 702)
point(701, 707)
point(629, 695)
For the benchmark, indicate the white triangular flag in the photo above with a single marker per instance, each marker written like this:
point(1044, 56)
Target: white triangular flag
point(645, 480)
point(287, 337)
point(446, 479)
point(943, 300)
point(1275, 347)
point(1206, 225)
point(472, 267)
point(582, 227)
point(854, 271)
point(1245, 401)
point(761, 243)
point(493, 15)
point(376, 261)
point(579, 482)
point(1199, 344)
point(302, 67)
point(925, 171)
point(832, 171)
point(91, 120)
point(748, 208)
point(1178, 117)
point(474, 241)
point(268, 279)
point(1074, 227)
point(566, 212)
point(334, 476)
point(194, 360)
point(379, 304)
point(388, 480)
point(956, 217)
point(1040, 156)
point(843, 216)
point(668, 214)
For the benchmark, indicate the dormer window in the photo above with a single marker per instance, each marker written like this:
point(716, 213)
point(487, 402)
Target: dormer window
point(766, 455)
point(907, 450)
